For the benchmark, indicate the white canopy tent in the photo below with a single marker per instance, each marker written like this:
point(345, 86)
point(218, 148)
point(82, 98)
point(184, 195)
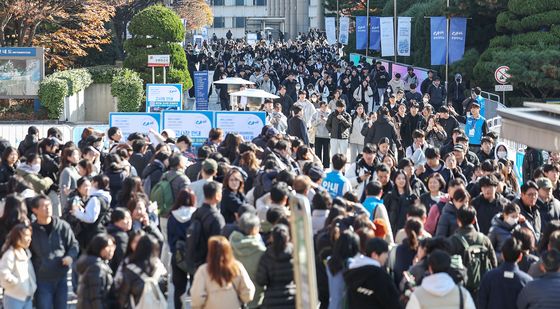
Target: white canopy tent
point(254, 98)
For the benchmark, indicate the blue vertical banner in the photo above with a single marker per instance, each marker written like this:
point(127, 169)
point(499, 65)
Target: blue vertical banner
point(438, 38)
point(457, 37)
point(201, 90)
point(361, 32)
point(374, 34)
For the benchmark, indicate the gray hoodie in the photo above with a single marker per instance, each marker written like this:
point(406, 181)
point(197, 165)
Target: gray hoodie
point(439, 291)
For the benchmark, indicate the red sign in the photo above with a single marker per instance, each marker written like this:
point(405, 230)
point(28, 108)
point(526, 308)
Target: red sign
point(501, 75)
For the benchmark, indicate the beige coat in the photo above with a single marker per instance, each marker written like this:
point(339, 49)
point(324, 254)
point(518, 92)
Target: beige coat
point(17, 276)
point(207, 294)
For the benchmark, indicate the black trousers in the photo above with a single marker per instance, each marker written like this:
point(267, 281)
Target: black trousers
point(180, 280)
point(322, 145)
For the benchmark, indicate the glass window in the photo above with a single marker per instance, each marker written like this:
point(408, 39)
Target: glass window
point(239, 22)
point(240, 2)
point(219, 22)
point(260, 2)
point(218, 2)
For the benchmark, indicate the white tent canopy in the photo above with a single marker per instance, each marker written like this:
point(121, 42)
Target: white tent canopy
point(254, 93)
point(234, 81)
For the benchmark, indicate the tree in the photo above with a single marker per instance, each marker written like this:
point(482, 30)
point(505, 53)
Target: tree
point(66, 28)
point(529, 43)
point(196, 12)
point(157, 30)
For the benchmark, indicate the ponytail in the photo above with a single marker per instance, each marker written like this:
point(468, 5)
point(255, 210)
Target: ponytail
point(412, 228)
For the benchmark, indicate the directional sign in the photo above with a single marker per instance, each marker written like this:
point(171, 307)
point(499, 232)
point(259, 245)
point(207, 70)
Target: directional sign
point(501, 75)
point(503, 88)
point(158, 60)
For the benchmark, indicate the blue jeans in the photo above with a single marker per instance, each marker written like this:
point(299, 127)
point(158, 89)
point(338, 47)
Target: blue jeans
point(12, 303)
point(52, 294)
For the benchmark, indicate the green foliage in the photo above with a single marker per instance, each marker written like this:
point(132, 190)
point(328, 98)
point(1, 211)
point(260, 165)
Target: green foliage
point(159, 22)
point(465, 65)
point(529, 45)
point(157, 30)
point(77, 79)
point(531, 7)
point(127, 87)
point(51, 94)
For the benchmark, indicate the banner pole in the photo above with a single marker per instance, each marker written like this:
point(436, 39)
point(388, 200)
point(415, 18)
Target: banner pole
point(367, 27)
point(447, 49)
point(395, 27)
point(337, 24)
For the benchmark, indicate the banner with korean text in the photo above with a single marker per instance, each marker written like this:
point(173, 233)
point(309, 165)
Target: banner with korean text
point(403, 36)
point(457, 37)
point(438, 38)
point(344, 28)
point(374, 34)
point(330, 28)
point(361, 32)
point(387, 36)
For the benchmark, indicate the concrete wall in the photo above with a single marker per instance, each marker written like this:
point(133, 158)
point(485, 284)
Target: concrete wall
point(98, 103)
point(74, 109)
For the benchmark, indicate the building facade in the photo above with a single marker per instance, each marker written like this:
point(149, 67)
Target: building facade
point(232, 15)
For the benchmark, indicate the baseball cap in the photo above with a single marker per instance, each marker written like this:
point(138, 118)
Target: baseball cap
point(475, 104)
point(209, 166)
point(316, 173)
point(544, 183)
point(272, 132)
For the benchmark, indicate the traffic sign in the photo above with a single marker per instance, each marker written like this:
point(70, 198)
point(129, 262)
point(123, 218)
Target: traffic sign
point(501, 75)
point(503, 88)
point(158, 60)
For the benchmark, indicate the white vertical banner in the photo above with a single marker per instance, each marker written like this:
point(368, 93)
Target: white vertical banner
point(387, 36)
point(344, 29)
point(330, 28)
point(403, 36)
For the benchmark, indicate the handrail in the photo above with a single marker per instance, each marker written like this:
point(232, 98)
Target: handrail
point(490, 96)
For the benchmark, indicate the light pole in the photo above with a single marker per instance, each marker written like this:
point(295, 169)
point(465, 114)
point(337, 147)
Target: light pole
point(395, 27)
point(337, 24)
point(367, 27)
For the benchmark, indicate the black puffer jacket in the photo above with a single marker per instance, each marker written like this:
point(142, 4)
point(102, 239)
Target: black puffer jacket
point(95, 283)
point(28, 145)
point(49, 168)
point(6, 172)
point(276, 274)
point(382, 127)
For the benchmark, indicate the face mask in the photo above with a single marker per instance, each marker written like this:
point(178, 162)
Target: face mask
point(35, 168)
point(425, 100)
point(502, 154)
point(511, 221)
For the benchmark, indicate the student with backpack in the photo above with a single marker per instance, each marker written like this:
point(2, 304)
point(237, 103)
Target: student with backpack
point(438, 290)
point(177, 224)
point(97, 212)
point(222, 282)
point(170, 184)
point(206, 222)
point(474, 248)
point(143, 278)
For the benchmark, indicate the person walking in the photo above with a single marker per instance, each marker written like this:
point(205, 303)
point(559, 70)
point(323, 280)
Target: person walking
point(17, 276)
point(222, 282)
point(54, 248)
point(338, 124)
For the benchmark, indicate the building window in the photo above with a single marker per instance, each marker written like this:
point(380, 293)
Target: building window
point(217, 2)
point(239, 22)
point(219, 22)
point(260, 2)
point(240, 2)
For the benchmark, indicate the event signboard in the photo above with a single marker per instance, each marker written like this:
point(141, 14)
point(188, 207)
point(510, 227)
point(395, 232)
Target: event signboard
point(195, 124)
point(160, 97)
point(247, 124)
point(21, 72)
point(135, 122)
point(201, 90)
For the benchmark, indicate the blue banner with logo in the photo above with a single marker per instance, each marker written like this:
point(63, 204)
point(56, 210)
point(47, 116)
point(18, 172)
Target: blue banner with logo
point(457, 37)
point(194, 124)
point(135, 122)
point(438, 38)
point(374, 34)
point(247, 124)
point(201, 90)
point(361, 32)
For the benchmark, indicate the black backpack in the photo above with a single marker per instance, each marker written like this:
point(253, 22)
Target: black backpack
point(195, 246)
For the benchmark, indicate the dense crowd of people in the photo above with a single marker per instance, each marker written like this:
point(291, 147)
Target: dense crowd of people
point(414, 202)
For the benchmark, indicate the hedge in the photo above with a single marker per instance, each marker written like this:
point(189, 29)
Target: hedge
point(126, 85)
